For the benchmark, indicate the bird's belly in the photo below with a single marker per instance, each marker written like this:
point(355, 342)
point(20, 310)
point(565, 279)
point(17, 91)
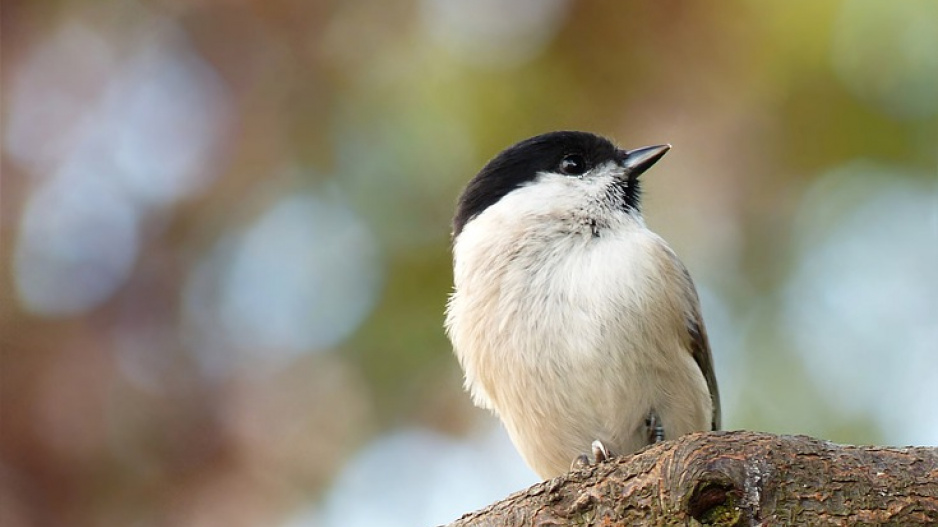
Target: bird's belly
point(553, 424)
point(560, 413)
point(569, 400)
point(584, 370)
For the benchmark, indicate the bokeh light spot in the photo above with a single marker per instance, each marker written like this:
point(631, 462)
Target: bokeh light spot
point(862, 304)
point(109, 139)
point(77, 244)
point(301, 278)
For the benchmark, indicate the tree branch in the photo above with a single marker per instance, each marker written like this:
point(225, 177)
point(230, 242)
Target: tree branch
point(734, 478)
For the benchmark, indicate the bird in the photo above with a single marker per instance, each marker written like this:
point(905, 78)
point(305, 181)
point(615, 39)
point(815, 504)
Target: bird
point(573, 322)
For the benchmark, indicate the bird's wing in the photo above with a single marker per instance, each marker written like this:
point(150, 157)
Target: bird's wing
point(699, 344)
point(700, 350)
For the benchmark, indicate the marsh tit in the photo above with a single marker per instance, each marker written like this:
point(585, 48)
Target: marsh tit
point(573, 322)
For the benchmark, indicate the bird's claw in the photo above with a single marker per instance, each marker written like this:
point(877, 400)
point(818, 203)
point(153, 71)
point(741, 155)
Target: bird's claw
point(600, 452)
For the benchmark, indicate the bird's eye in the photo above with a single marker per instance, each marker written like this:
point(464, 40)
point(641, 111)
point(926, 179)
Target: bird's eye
point(573, 165)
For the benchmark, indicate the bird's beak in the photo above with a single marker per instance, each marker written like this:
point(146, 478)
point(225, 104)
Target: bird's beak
point(641, 159)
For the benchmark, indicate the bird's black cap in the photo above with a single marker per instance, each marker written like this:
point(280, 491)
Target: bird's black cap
point(520, 164)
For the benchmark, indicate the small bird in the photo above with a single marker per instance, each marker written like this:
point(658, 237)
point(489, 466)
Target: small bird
point(573, 322)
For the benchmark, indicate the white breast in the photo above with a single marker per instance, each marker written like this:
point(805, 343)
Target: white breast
point(571, 337)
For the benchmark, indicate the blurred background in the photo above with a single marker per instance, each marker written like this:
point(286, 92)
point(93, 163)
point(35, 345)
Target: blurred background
point(225, 235)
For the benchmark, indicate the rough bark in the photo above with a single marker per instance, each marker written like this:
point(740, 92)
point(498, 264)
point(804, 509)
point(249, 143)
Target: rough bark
point(734, 478)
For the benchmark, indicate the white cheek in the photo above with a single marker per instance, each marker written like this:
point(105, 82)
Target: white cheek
point(548, 201)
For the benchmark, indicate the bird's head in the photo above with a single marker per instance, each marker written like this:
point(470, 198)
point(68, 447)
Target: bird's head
point(559, 175)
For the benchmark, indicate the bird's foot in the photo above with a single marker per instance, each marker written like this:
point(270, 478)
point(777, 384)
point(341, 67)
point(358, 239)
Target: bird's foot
point(600, 453)
point(653, 425)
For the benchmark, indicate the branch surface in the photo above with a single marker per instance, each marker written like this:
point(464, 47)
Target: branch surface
point(734, 478)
